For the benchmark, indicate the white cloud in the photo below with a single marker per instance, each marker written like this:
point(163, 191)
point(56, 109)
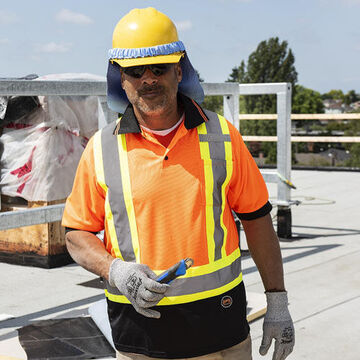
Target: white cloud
point(183, 25)
point(7, 17)
point(352, 2)
point(4, 41)
point(68, 16)
point(53, 47)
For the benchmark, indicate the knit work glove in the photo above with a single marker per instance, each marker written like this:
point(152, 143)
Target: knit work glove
point(278, 325)
point(136, 282)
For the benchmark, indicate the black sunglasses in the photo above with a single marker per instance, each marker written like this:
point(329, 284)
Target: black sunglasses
point(138, 71)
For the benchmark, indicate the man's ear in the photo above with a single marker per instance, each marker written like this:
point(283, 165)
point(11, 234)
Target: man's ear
point(178, 71)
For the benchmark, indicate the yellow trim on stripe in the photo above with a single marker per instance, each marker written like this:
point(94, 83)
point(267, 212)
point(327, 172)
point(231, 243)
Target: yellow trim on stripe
point(117, 298)
point(229, 171)
point(209, 186)
point(125, 179)
point(111, 228)
point(98, 161)
point(100, 178)
point(224, 125)
point(209, 268)
point(173, 300)
point(201, 129)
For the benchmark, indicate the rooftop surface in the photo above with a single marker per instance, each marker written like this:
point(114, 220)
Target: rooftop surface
point(321, 263)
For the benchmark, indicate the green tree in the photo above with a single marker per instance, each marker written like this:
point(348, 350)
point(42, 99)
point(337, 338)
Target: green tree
point(333, 95)
point(354, 151)
point(306, 101)
point(272, 61)
point(214, 103)
point(238, 73)
point(354, 148)
point(351, 96)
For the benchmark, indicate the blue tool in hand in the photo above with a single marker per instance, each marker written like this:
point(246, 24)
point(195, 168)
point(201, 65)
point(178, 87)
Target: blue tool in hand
point(176, 270)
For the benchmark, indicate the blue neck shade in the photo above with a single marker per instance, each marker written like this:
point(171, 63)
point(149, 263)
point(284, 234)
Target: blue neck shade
point(118, 101)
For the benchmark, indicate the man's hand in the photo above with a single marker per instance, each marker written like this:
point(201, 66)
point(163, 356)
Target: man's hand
point(278, 325)
point(136, 282)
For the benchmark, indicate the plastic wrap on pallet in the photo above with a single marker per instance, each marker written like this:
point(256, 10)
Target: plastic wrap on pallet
point(41, 151)
point(15, 107)
point(3, 106)
point(18, 107)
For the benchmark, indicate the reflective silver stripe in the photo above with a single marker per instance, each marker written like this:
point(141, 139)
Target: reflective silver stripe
point(215, 138)
point(112, 175)
point(196, 284)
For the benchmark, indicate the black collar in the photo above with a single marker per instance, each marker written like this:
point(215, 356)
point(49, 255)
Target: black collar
point(194, 116)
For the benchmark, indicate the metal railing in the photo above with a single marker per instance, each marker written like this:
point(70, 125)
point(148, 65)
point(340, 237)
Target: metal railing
point(230, 93)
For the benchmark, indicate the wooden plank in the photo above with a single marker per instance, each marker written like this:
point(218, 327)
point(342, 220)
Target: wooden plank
point(258, 117)
point(346, 116)
point(312, 139)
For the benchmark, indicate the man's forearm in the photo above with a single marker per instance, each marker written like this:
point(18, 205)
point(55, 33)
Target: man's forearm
point(265, 250)
point(88, 251)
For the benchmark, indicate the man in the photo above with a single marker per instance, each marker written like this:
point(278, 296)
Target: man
point(163, 182)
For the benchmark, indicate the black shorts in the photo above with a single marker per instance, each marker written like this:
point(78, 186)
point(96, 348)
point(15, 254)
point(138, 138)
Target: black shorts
point(183, 330)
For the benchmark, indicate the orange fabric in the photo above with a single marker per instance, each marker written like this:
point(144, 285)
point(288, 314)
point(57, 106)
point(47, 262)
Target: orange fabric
point(168, 196)
point(84, 208)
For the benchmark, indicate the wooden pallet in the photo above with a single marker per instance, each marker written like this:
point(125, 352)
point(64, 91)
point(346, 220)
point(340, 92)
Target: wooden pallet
point(40, 245)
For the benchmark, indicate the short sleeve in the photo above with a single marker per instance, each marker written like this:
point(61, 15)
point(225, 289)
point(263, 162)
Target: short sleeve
point(248, 195)
point(84, 208)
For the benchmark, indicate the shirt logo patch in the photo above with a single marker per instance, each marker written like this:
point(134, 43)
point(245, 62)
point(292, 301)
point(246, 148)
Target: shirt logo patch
point(226, 301)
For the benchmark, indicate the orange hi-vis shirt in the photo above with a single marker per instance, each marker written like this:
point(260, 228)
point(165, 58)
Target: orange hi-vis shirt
point(167, 191)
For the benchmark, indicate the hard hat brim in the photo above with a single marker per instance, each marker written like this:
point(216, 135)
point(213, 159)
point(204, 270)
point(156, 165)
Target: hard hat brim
point(161, 59)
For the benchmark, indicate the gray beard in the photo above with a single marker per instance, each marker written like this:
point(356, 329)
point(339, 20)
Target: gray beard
point(152, 107)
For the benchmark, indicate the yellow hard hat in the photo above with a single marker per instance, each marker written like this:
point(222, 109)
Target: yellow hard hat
point(145, 36)
point(142, 37)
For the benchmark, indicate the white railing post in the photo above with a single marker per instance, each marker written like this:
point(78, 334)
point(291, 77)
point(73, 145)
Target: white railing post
point(283, 93)
point(231, 108)
point(284, 161)
point(230, 93)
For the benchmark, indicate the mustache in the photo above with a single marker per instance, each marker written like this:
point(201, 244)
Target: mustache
point(150, 88)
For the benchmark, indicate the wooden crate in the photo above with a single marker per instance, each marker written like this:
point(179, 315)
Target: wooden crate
point(40, 245)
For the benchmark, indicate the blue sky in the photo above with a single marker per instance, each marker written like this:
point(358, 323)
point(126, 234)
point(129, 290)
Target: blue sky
point(47, 37)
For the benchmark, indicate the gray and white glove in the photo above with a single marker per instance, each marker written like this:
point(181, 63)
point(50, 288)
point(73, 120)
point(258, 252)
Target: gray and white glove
point(136, 282)
point(278, 325)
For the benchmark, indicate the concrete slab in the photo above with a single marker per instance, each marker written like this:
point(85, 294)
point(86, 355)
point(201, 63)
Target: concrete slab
point(256, 305)
point(321, 267)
